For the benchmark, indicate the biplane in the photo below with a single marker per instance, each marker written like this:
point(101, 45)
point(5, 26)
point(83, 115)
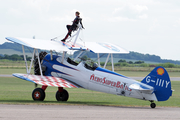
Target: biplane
point(64, 72)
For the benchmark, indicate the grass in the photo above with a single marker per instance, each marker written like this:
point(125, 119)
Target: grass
point(9, 64)
point(17, 91)
point(10, 70)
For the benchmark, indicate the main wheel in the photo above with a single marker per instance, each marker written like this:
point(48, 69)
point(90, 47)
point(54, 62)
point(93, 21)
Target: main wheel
point(153, 105)
point(62, 96)
point(38, 94)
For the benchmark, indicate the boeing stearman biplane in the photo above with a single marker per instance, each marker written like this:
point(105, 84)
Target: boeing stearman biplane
point(61, 71)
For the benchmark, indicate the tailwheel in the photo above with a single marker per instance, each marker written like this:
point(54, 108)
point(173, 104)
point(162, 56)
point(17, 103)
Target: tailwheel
point(62, 96)
point(38, 94)
point(153, 105)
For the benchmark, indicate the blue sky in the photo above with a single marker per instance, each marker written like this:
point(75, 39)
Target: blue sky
point(145, 26)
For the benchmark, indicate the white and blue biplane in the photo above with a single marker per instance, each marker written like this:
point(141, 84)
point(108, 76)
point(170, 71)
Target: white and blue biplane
point(61, 71)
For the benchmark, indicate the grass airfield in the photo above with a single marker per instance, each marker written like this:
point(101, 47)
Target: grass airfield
point(17, 91)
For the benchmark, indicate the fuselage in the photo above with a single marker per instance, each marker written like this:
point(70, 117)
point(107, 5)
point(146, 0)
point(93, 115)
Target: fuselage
point(92, 78)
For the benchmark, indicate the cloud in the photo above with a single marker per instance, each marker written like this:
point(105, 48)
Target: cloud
point(59, 19)
point(40, 5)
point(178, 21)
point(138, 8)
point(117, 19)
point(144, 16)
point(129, 12)
point(154, 25)
point(130, 7)
point(15, 12)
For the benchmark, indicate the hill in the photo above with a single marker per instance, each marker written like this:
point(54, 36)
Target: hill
point(14, 48)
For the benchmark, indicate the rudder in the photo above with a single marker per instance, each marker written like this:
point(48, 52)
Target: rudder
point(159, 79)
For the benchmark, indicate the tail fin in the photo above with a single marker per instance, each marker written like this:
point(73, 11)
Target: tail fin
point(159, 79)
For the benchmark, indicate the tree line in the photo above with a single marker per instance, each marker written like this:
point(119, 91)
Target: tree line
point(133, 56)
point(14, 57)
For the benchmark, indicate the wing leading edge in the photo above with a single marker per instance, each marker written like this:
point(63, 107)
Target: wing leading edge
point(39, 44)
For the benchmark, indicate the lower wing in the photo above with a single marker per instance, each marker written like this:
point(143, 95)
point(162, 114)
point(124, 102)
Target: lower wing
point(46, 80)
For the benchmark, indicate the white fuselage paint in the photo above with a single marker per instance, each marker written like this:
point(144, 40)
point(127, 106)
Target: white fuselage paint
point(100, 81)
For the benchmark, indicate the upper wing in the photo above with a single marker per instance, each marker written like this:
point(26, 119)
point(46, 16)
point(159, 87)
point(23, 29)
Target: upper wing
point(46, 80)
point(104, 47)
point(40, 44)
point(96, 47)
point(142, 88)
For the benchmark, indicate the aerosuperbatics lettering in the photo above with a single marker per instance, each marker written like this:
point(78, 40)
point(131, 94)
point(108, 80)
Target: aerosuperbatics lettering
point(109, 83)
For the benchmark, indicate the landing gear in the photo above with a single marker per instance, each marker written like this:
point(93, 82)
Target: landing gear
point(62, 95)
point(153, 105)
point(38, 94)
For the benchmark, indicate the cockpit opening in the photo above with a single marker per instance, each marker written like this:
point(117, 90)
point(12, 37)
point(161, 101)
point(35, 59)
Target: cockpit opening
point(91, 66)
point(71, 62)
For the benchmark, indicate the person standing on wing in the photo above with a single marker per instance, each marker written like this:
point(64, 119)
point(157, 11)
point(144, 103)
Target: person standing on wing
point(73, 26)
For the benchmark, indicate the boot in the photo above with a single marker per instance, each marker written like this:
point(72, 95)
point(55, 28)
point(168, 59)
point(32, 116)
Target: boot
point(63, 40)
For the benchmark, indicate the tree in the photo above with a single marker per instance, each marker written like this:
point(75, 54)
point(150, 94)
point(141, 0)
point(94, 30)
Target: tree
point(122, 60)
point(138, 62)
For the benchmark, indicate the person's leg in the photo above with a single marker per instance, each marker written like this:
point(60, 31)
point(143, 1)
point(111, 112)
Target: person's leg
point(69, 33)
point(68, 27)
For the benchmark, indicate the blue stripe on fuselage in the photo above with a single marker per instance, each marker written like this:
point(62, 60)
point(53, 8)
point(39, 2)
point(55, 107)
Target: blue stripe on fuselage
point(110, 72)
point(49, 64)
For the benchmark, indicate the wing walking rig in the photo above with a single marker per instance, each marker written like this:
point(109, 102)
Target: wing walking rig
point(61, 71)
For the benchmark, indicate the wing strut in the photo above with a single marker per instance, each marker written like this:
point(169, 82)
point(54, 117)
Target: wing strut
point(106, 60)
point(25, 59)
point(80, 27)
point(98, 60)
point(78, 55)
point(111, 61)
point(39, 63)
point(64, 55)
point(32, 59)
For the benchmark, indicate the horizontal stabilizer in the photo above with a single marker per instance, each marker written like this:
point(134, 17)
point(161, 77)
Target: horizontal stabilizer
point(46, 80)
point(142, 88)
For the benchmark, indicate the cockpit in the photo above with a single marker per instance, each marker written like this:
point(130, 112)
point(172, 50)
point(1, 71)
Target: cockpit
point(71, 61)
point(91, 66)
point(88, 64)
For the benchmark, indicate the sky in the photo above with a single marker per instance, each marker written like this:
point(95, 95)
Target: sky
point(144, 26)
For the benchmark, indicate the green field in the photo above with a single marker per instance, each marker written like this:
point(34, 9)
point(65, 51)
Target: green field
point(17, 91)
point(10, 71)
